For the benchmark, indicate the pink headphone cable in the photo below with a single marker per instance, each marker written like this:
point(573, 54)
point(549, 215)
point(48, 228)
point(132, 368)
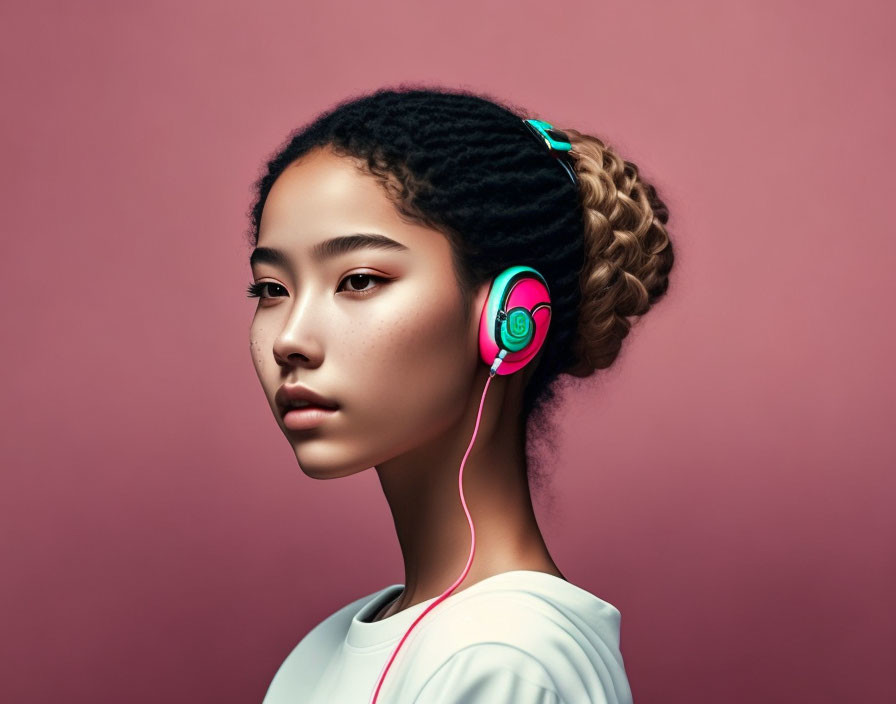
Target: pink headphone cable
point(460, 482)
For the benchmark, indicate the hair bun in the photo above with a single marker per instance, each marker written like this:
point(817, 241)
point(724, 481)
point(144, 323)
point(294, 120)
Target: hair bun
point(628, 253)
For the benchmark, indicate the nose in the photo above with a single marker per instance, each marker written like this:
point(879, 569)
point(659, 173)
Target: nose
point(299, 341)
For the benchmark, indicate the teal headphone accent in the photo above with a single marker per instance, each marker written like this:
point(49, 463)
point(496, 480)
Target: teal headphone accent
point(513, 328)
point(556, 141)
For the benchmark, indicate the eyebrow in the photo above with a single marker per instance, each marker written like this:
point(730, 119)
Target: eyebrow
point(328, 249)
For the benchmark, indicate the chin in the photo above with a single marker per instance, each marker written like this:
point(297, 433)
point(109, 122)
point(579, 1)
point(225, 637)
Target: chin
point(325, 464)
point(327, 472)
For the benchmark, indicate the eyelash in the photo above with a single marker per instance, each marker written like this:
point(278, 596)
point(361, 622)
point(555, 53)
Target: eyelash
point(256, 289)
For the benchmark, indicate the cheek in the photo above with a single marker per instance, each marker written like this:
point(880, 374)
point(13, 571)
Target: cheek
point(410, 375)
point(259, 346)
point(255, 349)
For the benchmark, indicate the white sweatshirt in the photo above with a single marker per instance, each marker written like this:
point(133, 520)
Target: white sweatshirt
point(519, 637)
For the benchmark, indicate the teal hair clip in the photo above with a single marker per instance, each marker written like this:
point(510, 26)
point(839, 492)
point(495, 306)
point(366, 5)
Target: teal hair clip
point(555, 140)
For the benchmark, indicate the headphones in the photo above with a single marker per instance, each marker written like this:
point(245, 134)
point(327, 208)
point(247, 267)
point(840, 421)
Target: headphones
point(514, 320)
point(512, 328)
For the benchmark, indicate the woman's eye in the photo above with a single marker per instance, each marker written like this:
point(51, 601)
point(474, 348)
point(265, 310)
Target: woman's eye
point(359, 283)
point(256, 289)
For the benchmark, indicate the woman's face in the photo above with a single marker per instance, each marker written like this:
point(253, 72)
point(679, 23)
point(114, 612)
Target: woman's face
point(378, 331)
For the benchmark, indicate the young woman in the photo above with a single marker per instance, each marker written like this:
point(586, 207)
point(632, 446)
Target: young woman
point(387, 236)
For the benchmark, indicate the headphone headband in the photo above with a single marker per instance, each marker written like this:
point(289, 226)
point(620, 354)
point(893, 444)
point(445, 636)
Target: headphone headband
point(556, 141)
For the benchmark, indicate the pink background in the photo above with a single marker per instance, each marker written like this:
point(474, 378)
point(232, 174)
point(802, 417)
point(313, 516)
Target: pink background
point(728, 484)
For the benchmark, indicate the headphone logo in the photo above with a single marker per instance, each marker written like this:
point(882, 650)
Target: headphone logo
point(519, 323)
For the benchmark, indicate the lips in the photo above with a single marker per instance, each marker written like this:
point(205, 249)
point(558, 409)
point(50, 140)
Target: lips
point(288, 398)
point(308, 417)
point(294, 406)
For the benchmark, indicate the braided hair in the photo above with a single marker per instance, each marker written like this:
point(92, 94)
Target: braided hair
point(467, 166)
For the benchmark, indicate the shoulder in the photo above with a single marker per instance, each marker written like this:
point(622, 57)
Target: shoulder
point(492, 673)
point(516, 640)
point(314, 651)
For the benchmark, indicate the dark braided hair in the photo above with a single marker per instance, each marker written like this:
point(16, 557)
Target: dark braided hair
point(467, 166)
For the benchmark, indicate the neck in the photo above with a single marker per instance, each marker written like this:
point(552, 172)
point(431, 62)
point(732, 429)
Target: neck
point(421, 488)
